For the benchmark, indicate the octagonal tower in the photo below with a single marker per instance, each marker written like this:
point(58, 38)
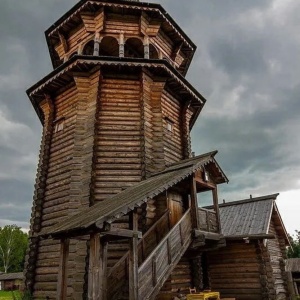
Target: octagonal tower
point(115, 110)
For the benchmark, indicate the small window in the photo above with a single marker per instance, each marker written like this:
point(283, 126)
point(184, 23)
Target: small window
point(169, 125)
point(59, 125)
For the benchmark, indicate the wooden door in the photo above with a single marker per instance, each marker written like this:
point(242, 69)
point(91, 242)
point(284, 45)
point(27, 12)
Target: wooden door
point(175, 207)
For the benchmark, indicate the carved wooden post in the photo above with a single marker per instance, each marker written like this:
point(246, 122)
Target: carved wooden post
point(133, 260)
point(121, 45)
point(62, 283)
point(146, 48)
point(96, 44)
point(216, 207)
point(194, 204)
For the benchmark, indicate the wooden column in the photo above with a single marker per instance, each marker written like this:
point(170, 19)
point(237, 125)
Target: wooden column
point(62, 283)
point(133, 260)
point(216, 207)
point(194, 204)
point(97, 287)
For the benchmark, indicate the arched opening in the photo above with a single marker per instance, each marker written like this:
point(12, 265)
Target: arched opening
point(134, 48)
point(109, 46)
point(153, 52)
point(88, 48)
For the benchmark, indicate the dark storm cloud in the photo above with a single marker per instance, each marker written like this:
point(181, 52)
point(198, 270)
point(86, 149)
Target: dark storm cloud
point(247, 66)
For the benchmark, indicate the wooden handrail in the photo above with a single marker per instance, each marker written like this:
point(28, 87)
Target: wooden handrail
point(207, 210)
point(158, 266)
point(166, 238)
point(126, 255)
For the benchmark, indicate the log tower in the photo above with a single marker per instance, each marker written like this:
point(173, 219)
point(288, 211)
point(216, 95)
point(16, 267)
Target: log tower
point(115, 110)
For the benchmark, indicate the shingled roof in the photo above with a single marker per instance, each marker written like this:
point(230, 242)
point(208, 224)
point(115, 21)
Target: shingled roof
point(124, 202)
point(11, 276)
point(250, 217)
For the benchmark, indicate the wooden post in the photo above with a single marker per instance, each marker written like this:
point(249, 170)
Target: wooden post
point(104, 269)
point(95, 269)
point(133, 260)
point(216, 206)
point(62, 283)
point(194, 204)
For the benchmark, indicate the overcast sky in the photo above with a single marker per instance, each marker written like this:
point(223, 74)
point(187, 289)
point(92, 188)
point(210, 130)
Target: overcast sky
point(247, 66)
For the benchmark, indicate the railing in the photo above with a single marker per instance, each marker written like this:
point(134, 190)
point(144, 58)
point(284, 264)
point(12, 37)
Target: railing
point(208, 220)
point(158, 266)
point(118, 274)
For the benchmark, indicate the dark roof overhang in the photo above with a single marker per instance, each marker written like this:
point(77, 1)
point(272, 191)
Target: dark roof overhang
point(63, 75)
point(72, 19)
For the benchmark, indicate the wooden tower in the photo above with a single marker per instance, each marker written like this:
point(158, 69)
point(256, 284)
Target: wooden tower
point(117, 113)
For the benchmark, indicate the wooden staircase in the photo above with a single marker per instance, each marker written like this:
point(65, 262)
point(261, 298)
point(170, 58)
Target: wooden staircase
point(160, 250)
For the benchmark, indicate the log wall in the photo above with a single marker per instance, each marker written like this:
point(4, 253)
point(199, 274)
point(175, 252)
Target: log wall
point(69, 181)
point(236, 271)
point(173, 145)
point(276, 248)
point(118, 146)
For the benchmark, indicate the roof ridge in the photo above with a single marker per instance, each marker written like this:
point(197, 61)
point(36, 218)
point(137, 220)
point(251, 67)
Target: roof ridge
point(181, 164)
point(250, 200)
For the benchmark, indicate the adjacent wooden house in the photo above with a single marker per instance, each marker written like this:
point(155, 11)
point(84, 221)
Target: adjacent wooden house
point(115, 213)
point(11, 281)
point(252, 266)
point(293, 272)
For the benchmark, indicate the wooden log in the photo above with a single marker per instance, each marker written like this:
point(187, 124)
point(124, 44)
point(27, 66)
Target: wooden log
point(62, 273)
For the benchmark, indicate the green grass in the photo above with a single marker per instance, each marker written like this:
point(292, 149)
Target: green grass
point(8, 295)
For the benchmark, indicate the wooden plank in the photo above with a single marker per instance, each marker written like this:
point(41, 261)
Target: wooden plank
point(62, 273)
point(133, 259)
point(216, 207)
point(95, 269)
point(194, 204)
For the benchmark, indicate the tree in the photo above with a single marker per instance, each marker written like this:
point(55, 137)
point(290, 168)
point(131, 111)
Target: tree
point(294, 250)
point(13, 245)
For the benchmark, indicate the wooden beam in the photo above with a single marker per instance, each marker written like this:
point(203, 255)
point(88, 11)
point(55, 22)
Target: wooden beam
point(122, 233)
point(63, 42)
point(216, 207)
point(194, 204)
point(133, 259)
point(95, 269)
point(207, 235)
point(62, 272)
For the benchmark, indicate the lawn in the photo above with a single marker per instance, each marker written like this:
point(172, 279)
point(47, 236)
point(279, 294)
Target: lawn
point(8, 295)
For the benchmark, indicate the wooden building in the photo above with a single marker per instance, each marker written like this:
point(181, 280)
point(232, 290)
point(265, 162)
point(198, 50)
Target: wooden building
point(115, 213)
point(293, 272)
point(252, 266)
point(11, 281)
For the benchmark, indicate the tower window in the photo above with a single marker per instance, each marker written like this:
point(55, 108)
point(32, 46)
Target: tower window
point(169, 125)
point(59, 124)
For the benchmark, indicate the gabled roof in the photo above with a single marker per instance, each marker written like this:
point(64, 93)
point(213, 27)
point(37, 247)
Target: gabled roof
point(124, 202)
point(250, 217)
point(11, 276)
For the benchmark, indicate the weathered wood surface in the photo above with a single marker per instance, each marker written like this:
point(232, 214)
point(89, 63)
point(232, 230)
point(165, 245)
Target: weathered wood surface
point(156, 269)
point(276, 248)
point(235, 271)
point(208, 220)
point(110, 24)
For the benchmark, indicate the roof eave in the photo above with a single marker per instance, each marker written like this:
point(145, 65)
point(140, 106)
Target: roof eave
point(199, 100)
